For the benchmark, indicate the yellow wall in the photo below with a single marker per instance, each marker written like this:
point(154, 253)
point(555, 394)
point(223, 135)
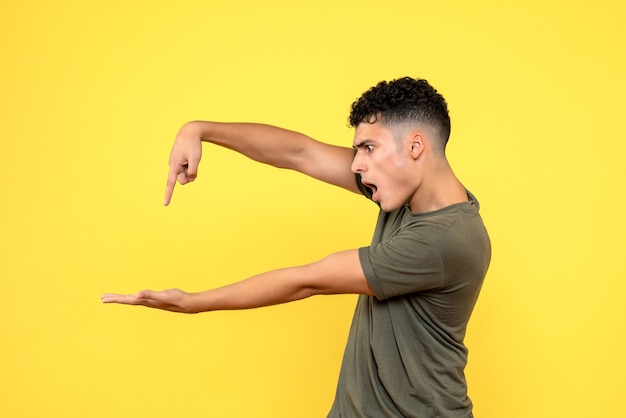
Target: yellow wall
point(92, 94)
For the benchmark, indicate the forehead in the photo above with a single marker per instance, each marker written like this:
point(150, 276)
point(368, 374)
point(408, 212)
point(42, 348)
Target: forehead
point(371, 132)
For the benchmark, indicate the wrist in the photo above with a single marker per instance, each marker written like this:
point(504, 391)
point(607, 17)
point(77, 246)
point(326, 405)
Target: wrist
point(198, 129)
point(191, 303)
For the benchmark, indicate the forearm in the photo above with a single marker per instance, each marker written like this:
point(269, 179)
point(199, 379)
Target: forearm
point(263, 143)
point(271, 288)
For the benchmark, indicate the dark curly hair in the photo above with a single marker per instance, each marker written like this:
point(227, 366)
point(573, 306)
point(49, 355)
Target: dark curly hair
point(400, 101)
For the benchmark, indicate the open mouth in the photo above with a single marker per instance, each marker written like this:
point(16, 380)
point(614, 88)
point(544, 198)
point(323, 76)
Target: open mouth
point(372, 188)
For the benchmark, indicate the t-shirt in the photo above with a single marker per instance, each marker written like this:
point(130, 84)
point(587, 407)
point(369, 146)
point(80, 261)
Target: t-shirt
point(405, 355)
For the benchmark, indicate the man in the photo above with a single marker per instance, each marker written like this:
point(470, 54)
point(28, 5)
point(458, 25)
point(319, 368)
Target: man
point(418, 280)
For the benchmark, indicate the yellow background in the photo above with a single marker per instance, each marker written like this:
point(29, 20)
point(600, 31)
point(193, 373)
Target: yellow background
point(92, 95)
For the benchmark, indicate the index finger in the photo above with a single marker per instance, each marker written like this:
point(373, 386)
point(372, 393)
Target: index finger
point(169, 188)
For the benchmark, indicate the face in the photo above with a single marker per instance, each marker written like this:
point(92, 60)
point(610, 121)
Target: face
point(385, 164)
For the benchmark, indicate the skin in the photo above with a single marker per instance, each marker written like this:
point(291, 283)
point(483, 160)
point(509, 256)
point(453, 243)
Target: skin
point(401, 164)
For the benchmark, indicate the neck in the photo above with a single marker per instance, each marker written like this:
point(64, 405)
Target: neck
point(438, 189)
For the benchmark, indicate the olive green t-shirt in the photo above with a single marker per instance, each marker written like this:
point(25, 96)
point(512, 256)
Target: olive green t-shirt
point(405, 355)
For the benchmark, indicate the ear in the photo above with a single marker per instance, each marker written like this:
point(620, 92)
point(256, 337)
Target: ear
point(417, 144)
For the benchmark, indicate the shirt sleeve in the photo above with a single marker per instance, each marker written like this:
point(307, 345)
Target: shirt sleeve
point(401, 265)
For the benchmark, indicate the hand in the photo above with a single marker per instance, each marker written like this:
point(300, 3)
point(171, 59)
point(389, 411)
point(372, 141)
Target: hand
point(184, 159)
point(168, 300)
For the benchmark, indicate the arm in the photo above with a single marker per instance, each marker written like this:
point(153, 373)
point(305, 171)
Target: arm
point(339, 273)
point(267, 144)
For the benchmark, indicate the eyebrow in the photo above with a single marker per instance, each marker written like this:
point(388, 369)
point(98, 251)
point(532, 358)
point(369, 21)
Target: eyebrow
point(362, 144)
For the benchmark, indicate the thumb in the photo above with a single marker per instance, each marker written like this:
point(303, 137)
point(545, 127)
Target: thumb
point(145, 294)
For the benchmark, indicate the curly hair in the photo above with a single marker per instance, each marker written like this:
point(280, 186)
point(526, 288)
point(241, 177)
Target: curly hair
point(403, 100)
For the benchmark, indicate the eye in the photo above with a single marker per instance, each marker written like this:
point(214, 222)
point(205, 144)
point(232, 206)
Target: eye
point(369, 148)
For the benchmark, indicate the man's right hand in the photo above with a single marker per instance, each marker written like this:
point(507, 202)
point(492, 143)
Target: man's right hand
point(184, 159)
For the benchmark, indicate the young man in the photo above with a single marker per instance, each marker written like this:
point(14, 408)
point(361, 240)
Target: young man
point(418, 280)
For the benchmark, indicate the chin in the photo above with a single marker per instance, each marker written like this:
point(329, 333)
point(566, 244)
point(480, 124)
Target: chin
point(389, 207)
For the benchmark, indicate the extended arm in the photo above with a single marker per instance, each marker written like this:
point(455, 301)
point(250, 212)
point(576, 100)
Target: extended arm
point(264, 143)
point(338, 273)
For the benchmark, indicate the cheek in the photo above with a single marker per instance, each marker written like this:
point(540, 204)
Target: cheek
point(393, 173)
point(400, 186)
point(398, 176)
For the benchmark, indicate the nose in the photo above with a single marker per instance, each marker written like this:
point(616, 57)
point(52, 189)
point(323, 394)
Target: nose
point(358, 165)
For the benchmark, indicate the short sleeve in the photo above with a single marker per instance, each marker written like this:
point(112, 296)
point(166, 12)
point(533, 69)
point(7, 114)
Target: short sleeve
point(401, 265)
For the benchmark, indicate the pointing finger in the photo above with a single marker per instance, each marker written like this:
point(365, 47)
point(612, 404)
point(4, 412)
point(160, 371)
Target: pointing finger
point(169, 188)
